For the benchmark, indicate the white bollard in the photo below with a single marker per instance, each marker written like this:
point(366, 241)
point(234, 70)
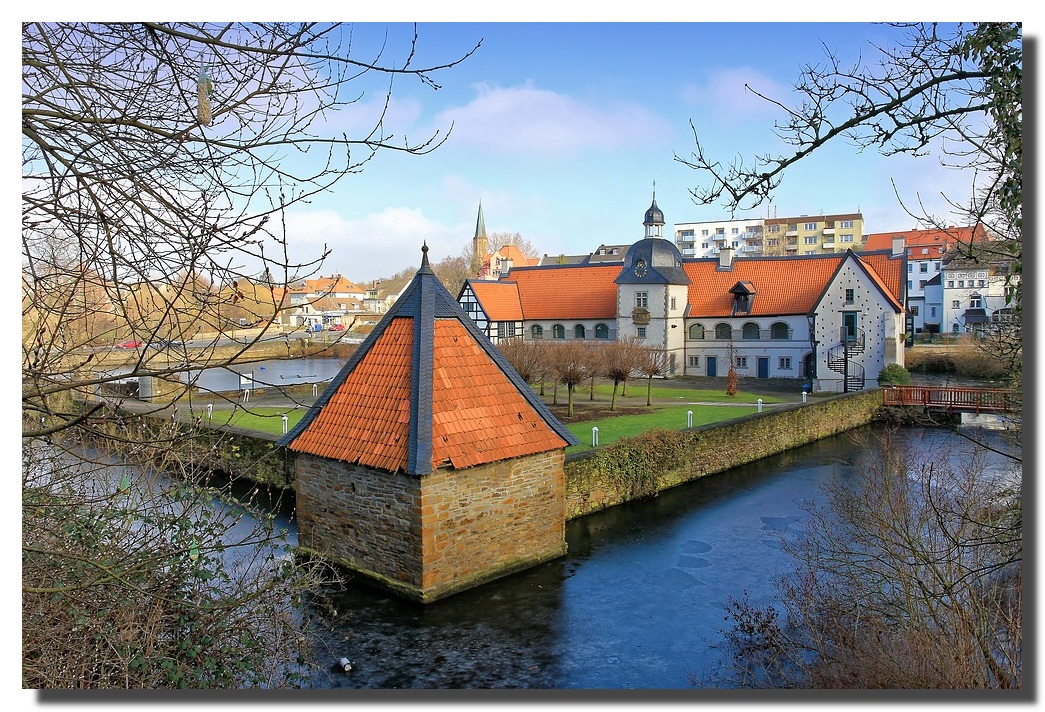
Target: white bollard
point(210, 411)
point(595, 436)
point(284, 424)
point(315, 390)
point(689, 418)
point(246, 395)
point(759, 405)
point(803, 396)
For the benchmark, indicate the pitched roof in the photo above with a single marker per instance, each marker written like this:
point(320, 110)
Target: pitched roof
point(424, 389)
point(567, 291)
point(500, 300)
point(939, 238)
point(783, 285)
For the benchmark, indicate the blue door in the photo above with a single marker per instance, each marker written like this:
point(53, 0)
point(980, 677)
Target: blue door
point(763, 367)
point(712, 363)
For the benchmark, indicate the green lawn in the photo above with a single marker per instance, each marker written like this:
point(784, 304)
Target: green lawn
point(662, 414)
point(636, 394)
point(262, 419)
point(674, 417)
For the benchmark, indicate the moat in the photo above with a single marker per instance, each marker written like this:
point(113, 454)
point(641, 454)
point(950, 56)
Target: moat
point(636, 603)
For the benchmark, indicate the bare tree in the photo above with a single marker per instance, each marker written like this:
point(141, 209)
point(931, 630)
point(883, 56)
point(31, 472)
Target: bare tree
point(909, 576)
point(526, 356)
point(654, 362)
point(571, 362)
point(158, 163)
point(951, 92)
point(622, 358)
point(497, 240)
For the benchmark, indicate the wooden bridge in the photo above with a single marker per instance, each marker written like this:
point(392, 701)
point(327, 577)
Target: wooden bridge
point(972, 400)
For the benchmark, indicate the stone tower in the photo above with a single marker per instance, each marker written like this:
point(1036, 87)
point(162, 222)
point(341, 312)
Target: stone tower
point(428, 465)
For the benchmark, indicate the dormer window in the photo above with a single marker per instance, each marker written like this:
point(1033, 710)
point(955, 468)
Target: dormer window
point(743, 297)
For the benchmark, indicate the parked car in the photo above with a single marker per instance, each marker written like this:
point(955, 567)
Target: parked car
point(130, 344)
point(337, 327)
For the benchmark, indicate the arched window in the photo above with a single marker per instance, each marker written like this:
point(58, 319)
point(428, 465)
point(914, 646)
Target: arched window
point(750, 330)
point(578, 331)
point(696, 332)
point(602, 331)
point(558, 332)
point(779, 330)
point(723, 331)
point(537, 331)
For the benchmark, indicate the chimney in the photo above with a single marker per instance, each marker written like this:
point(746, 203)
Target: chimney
point(725, 259)
point(897, 245)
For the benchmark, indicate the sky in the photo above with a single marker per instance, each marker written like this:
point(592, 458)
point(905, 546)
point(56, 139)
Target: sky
point(562, 132)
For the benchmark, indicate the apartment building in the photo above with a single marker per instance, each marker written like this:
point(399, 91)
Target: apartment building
point(802, 235)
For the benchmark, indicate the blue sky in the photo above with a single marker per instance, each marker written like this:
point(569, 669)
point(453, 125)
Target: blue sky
point(561, 130)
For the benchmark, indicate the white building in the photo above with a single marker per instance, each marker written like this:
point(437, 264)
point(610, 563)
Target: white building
point(835, 319)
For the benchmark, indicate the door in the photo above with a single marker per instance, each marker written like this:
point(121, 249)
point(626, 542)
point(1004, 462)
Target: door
point(763, 367)
point(712, 365)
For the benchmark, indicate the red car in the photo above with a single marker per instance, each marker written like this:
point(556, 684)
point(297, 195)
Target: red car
point(337, 327)
point(132, 344)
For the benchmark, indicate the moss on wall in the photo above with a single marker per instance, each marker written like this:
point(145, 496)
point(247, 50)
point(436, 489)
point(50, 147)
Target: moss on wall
point(632, 468)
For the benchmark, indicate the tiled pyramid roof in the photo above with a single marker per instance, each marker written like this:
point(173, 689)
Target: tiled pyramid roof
point(426, 388)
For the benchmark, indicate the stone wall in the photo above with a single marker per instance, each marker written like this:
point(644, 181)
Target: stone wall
point(638, 467)
point(427, 537)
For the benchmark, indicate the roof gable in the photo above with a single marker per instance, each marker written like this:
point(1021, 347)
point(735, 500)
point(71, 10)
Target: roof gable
point(424, 389)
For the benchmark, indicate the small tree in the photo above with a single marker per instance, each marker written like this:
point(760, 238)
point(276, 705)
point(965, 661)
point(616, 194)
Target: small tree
point(526, 356)
point(654, 362)
point(621, 358)
point(571, 362)
point(732, 384)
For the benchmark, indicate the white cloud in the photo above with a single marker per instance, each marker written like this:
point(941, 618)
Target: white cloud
point(725, 93)
point(378, 245)
point(528, 120)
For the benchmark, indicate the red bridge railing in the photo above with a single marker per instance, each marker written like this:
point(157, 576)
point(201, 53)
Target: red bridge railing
point(969, 399)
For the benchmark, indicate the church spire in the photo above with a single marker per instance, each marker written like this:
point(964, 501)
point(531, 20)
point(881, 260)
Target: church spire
point(480, 244)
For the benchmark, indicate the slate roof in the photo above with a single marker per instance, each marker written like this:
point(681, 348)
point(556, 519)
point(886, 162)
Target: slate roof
point(426, 389)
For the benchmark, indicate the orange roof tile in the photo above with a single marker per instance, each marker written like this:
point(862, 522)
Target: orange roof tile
point(500, 300)
point(567, 291)
point(486, 420)
point(923, 238)
point(367, 420)
point(784, 285)
point(427, 388)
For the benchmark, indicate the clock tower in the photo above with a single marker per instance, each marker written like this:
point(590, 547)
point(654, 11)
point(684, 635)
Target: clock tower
point(652, 292)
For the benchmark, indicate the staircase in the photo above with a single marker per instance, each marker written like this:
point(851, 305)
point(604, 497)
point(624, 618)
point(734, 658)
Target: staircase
point(838, 356)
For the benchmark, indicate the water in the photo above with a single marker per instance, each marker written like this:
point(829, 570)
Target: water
point(263, 374)
point(638, 601)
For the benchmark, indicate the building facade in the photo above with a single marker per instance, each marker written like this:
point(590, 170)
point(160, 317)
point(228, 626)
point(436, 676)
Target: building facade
point(835, 319)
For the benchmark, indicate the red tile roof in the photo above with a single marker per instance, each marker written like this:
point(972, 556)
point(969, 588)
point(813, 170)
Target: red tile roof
point(924, 238)
point(566, 291)
point(498, 298)
point(367, 421)
point(783, 285)
point(427, 388)
point(478, 416)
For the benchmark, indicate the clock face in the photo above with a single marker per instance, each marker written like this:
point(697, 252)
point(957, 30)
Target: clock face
point(640, 268)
